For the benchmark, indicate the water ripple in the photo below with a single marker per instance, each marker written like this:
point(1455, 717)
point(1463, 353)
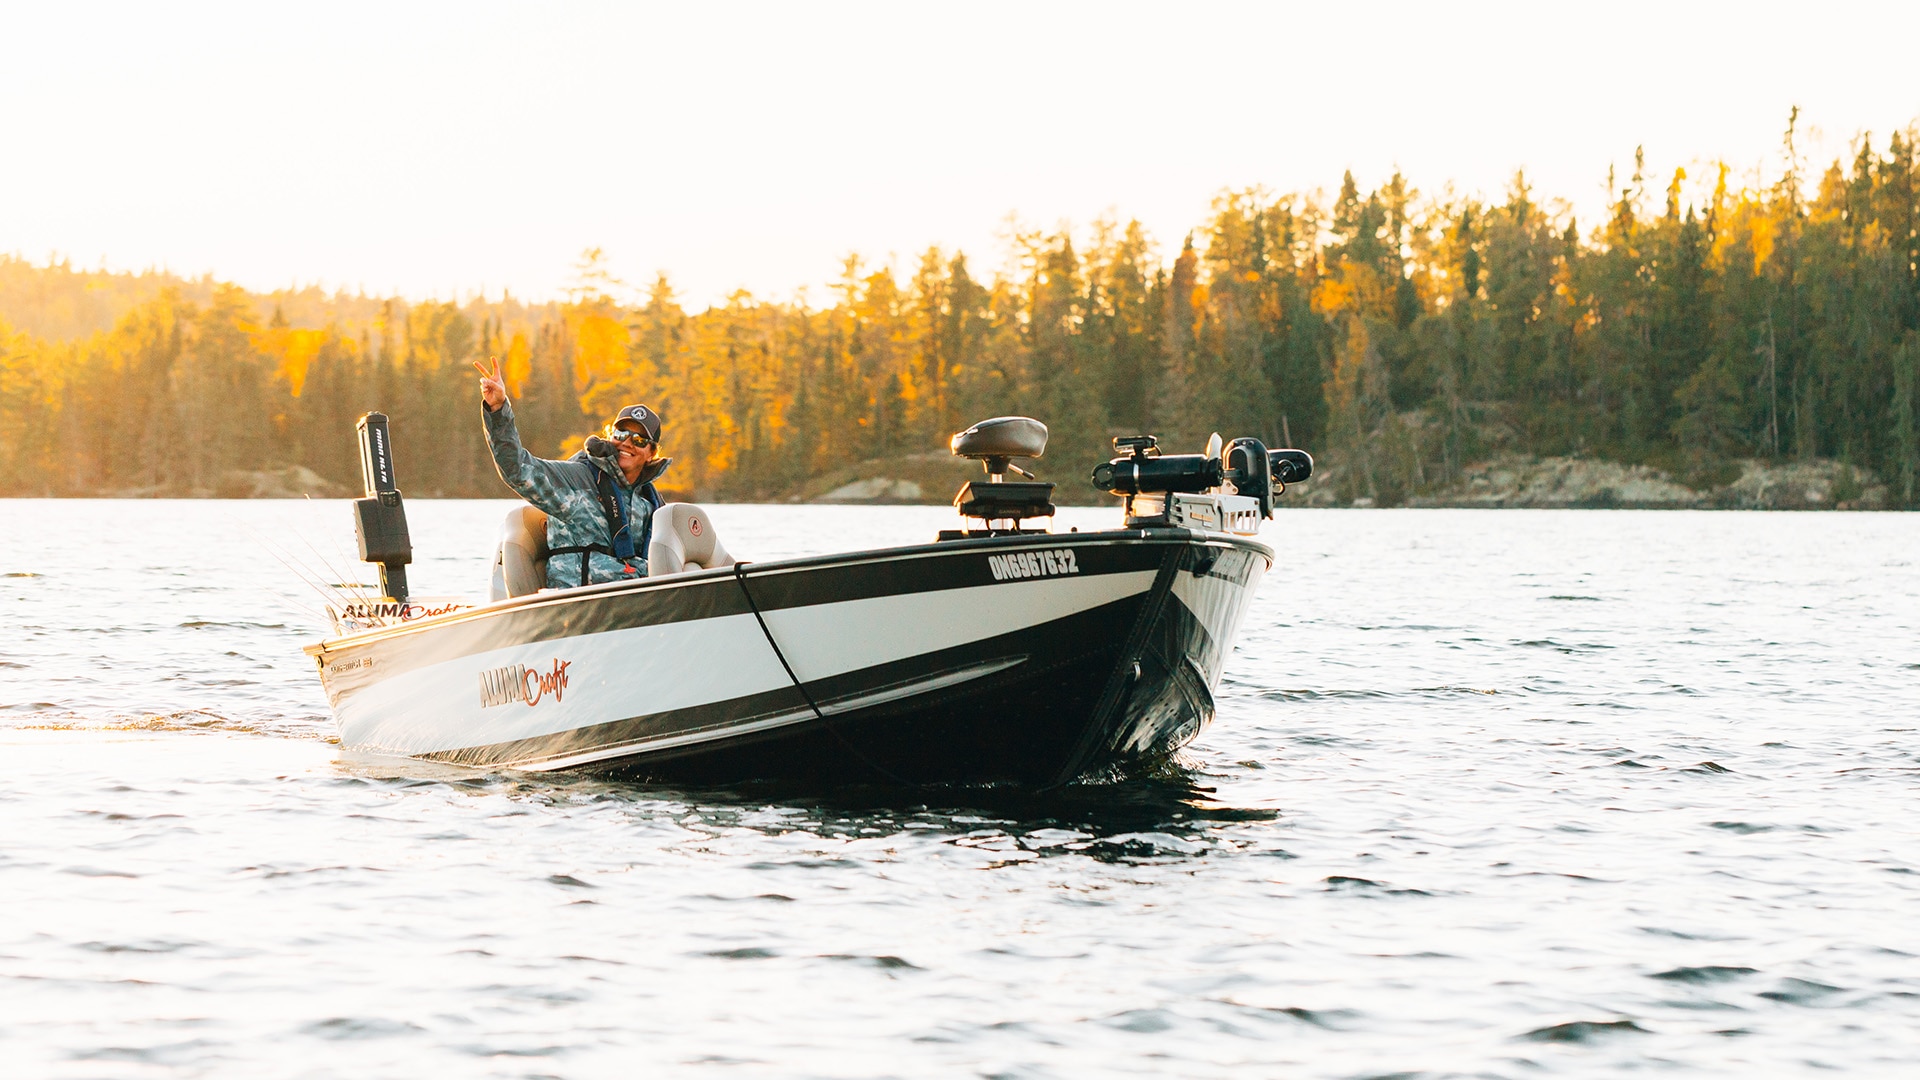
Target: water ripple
point(1441, 828)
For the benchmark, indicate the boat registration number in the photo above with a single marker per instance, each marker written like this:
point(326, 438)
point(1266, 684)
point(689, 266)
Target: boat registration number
point(1032, 564)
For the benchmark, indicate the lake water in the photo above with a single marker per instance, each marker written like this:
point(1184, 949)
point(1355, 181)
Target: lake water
point(1490, 793)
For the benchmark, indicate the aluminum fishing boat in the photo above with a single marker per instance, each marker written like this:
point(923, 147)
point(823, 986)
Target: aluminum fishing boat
point(995, 653)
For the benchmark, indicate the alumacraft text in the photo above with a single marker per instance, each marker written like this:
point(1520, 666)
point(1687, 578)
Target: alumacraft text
point(358, 615)
point(523, 684)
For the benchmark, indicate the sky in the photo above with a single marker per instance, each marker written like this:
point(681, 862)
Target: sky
point(443, 150)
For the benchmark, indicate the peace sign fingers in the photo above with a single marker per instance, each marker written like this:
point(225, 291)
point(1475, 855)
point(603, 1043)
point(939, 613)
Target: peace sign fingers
point(493, 384)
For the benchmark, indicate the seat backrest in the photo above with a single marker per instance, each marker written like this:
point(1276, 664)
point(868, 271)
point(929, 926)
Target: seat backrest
point(520, 559)
point(684, 539)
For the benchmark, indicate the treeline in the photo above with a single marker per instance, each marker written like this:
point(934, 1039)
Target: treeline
point(1398, 336)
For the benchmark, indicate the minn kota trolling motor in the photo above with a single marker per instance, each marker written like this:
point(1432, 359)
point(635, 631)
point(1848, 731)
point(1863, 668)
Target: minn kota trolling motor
point(1230, 491)
point(380, 520)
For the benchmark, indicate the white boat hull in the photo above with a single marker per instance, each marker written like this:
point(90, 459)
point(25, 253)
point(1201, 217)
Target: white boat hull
point(1036, 657)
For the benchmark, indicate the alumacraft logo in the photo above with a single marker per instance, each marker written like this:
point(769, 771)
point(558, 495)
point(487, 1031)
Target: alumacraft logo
point(1026, 564)
point(522, 683)
point(387, 609)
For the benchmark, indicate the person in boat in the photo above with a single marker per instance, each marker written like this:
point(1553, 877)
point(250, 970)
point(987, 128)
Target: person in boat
point(599, 503)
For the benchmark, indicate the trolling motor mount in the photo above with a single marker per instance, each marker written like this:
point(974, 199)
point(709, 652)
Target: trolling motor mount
point(1250, 471)
point(1229, 490)
point(380, 519)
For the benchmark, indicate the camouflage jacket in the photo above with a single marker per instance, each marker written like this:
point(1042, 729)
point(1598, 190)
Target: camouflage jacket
point(565, 491)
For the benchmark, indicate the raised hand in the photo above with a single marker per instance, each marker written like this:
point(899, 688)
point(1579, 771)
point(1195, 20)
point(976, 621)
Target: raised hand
point(493, 385)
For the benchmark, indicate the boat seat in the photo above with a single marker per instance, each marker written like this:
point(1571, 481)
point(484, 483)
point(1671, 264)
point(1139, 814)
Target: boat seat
point(1002, 437)
point(684, 539)
point(520, 559)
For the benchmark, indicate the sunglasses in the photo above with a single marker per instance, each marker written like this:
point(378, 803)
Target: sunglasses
point(637, 438)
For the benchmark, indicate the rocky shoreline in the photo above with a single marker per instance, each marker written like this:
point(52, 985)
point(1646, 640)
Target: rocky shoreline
point(1517, 482)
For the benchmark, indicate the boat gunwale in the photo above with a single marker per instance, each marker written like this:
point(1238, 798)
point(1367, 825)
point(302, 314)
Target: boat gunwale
point(1159, 535)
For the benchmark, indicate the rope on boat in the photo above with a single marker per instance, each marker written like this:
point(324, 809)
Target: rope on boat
point(740, 575)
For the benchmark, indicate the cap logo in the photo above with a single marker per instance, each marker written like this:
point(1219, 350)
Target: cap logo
point(647, 419)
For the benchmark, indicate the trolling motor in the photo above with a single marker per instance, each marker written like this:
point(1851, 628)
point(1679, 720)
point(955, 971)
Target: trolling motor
point(1229, 491)
point(380, 520)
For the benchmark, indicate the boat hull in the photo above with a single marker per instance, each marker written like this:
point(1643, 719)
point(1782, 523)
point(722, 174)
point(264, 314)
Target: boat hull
point(1036, 659)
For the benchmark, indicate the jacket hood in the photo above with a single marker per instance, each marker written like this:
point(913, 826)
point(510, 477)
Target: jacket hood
point(606, 464)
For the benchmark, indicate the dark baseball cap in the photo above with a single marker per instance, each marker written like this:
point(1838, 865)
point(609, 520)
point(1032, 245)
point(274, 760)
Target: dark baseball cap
point(647, 420)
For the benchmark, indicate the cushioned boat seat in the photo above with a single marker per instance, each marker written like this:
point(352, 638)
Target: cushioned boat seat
point(684, 539)
point(1004, 437)
point(520, 559)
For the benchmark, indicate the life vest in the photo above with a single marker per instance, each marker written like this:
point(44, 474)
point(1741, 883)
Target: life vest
point(619, 525)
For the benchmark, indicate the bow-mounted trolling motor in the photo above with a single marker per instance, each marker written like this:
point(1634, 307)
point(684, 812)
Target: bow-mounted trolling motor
point(380, 519)
point(1229, 488)
point(1226, 489)
point(995, 443)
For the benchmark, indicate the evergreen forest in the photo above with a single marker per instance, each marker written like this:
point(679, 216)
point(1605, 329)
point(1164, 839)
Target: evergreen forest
point(1398, 336)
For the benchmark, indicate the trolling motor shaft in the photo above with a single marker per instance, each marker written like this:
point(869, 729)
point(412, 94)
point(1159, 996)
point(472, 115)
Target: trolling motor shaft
point(380, 519)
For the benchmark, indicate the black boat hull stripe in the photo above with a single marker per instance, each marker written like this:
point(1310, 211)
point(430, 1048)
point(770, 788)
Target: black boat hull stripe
point(882, 696)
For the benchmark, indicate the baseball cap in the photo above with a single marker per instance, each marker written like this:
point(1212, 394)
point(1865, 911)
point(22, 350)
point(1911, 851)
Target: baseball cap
point(647, 419)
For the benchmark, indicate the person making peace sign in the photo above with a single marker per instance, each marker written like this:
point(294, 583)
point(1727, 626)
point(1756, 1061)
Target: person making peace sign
point(599, 503)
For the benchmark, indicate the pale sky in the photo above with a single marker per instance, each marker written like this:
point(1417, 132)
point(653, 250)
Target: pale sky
point(438, 150)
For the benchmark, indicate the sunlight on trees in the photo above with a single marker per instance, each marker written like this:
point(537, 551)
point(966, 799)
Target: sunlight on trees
point(1400, 335)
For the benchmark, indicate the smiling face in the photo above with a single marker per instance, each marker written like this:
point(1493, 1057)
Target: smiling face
point(632, 455)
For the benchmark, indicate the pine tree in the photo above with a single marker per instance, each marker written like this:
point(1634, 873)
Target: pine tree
point(1905, 456)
